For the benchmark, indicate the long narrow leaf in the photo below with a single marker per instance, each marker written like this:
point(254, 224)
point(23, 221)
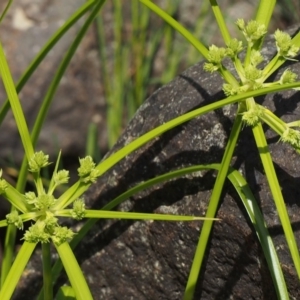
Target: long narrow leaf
point(263, 235)
point(15, 105)
point(45, 50)
point(212, 208)
point(16, 270)
point(74, 272)
point(103, 214)
point(117, 156)
point(220, 20)
point(277, 194)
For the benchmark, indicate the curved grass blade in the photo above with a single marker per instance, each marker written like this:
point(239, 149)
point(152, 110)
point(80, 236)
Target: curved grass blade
point(78, 189)
point(267, 162)
point(16, 270)
point(45, 50)
point(257, 220)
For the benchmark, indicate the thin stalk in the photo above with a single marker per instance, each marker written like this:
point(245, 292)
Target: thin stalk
point(16, 270)
point(49, 96)
point(189, 37)
point(267, 162)
point(15, 105)
point(47, 275)
point(212, 208)
point(9, 3)
point(9, 248)
point(74, 272)
point(177, 26)
point(79, 188)
point(220, 20)
point(44, 51)
point(263, 16)
point(265, 11)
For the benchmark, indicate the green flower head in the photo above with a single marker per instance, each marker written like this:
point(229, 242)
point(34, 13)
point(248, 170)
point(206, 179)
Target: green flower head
point(62, 235)
point(288, 77)
point(78, 211)
point(284, 44)
point(253, 31)
point(87, 170)
point(216, 54)
point(38, 161)
point(252, 116)
point(3, 186)
point(291, 136)
point(256, 58)
point(36, 233)
point(61, 177)
point(44, 202)
point(234, 47)
point(86, 166)
point(14, 218)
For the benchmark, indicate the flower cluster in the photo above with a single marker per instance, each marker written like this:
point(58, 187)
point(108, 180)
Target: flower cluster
point(284, 45)
point(252, 116)
point(87, 171)
point(253, 31)
point(251, 77)
point(38, 161)
point(43, 207)
point(291, 136)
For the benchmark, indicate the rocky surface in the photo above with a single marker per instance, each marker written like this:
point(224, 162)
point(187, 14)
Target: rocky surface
point(151, 260)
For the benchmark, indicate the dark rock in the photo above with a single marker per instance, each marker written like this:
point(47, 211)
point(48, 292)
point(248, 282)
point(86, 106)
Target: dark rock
point(151, 260)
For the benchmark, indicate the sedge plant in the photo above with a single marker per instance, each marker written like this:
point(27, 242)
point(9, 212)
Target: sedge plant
point(43, 209)
point(40, 206)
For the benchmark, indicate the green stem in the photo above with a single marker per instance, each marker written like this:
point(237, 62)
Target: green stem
point(177, 26)
point(220, 20)
point(74, 272)
point(15, 105)
point(79, 187)
point(212, 208)
point(45, 50)
point(16, 271)
point(266, 159)
point(8, 252)
point(6, 10)
point(263, 16)
point(47, 274)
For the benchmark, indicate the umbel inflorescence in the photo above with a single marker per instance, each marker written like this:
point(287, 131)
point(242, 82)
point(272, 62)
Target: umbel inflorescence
point(251, 77)
point(41, 207)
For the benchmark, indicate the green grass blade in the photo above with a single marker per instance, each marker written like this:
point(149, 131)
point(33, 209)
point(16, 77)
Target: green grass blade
point(266, 159)
point(265, 11)
point(16, 270)
point(8, 251)
point(263, 235)
point(212, 208)
point(74, 272)
point(103, 214)
point(92, 148)
point(47, 275)
point(15, 105)
point(9, 3)
point(16, 198)
point(74, 193)
point(65, 293)
point(177, 26)
point(220, 20)
point(45, 50)
point(60, 71)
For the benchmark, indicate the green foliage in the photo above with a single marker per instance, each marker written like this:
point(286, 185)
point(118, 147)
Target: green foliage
point(42, 207)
